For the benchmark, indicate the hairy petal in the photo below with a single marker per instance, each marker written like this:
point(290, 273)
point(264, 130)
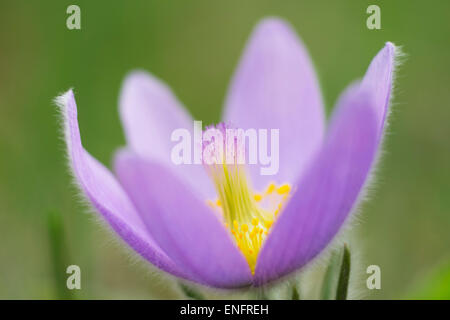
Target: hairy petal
point(150, 112)
point(378, 80)
point(187, 230)
point(275, 87)
point(106, 195)
point(326, 193)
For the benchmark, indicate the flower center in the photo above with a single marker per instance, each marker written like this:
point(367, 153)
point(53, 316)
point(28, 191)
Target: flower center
point(248, 215)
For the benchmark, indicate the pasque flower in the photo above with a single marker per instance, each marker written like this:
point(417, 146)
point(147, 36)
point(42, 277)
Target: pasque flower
point(168, 213)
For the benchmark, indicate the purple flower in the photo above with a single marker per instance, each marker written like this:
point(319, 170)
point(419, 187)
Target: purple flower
point(160, 209)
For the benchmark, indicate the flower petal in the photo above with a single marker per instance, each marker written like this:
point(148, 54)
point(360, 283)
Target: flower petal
point(326, 193)
point(150, 113)
point(105, 193)
point(378, 80)
point(275, 87)
point(185, 228)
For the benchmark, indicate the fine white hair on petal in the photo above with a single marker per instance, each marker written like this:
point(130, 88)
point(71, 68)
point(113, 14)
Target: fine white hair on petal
point(108, 220)
point(368, 187)
point(61, 102)
point(370, 184)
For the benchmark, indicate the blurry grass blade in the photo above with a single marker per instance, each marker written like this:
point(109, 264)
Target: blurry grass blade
point(261, 293)
point(191, 293)
point(329, 284)
point(295, 293)
point(58, 254)
point(344, 275)
point(433, 286)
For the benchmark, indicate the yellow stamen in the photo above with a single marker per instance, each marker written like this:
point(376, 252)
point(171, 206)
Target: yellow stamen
point(243, 211)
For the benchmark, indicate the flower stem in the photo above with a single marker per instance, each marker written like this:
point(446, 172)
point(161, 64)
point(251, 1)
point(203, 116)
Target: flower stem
point(344, 275)
point(190, 293)
point(58, 254)
point(295, 293)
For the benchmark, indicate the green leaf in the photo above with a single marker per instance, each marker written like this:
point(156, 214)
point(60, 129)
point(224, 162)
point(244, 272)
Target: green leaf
point(344, 275)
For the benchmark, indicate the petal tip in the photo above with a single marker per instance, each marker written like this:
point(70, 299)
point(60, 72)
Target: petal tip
point(62, 99)
point(138, 83)
point(273, 25)
point(393, 53)
point(66, 109)
point(135, 75)
point(131, 81)
point(390, 44)
point(272, 22)
point(391, 49)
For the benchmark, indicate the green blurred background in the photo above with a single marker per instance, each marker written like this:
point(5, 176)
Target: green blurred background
point(194, 46)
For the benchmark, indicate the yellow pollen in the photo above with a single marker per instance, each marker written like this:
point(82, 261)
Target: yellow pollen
point(218, 202)
point(257, 197)
point(284, 189)
point(268, 223)
point(271, 188)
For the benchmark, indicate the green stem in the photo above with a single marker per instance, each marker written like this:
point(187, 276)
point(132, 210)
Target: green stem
point(344, 275)
point(295, 293)
point(58, 254)
point(190, 293)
